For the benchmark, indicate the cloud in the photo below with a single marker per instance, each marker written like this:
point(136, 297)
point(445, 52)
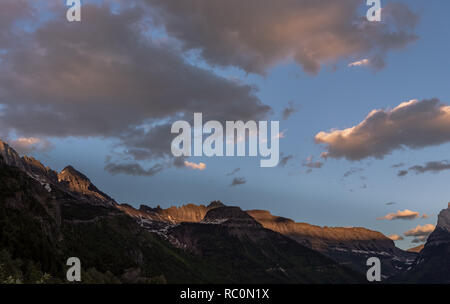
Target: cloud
point(26, 145)
point(420, 231)
point(238, 181)
point(107, 77)
point(398, 165)
point(234, 171)
point(256, 35)
point(311, 164)
point(402, 173)
point(396, 237)
point(363, 62)
point(352, 171)
point(432, 166)
point(390, 203)
point(194, 166)
point(133, 169)
point(285, 159)
point(289, 110)
point(420, 239)
point(413, 124)
point(401, 215)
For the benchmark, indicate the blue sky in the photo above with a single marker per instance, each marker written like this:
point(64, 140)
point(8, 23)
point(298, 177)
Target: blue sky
point(337, 97)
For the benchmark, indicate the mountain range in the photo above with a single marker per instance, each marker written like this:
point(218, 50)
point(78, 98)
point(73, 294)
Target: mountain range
point(46, 217)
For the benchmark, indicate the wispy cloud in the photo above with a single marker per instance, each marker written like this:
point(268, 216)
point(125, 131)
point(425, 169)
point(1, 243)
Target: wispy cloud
point(420, 233)
point(424, 230)
point(25, 145)
point(200, 166)
point(238, 181)
point(362, 62)
point(432, 166)
point(285, 159)
point(352, 171)
point(398, 165)
point(402, 173)
point(396, 237)
point(234, 171)
point(311, 164)
point(289, 110)
point(401, 215)
point(133, 169)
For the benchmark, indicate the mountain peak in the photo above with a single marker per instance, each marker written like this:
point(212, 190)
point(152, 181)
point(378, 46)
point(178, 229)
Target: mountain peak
point(230, 216)
point(38, 170)
point(69, 170)
point(79, 183)
point(9, 156)
point(215, 204)
point(226, 213)
point(444, 219)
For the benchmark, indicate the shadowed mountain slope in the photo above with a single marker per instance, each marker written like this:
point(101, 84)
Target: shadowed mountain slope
point(47, 217)
point(348, 246)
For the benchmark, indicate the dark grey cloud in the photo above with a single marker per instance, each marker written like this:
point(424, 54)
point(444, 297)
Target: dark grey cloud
point(133, 169)
point(107, 77)
point(289, 110)
point(390, 203)
point(398, 165)
point(258, 34)
point(285, 159)
point(402, 173)
point(413, 124)
point(432, 166)
point(238, 181)
point(234, 171)
point(11, 11)
point(352, 171)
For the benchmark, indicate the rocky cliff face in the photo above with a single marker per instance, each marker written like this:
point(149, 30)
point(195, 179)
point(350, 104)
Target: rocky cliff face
point(348, 246)
point(416, 249)
point(38, 170)
point(68, 180)
point(231, 239)
point(185, 214)
point(9, 156)
point(433, 263)
point(78, 183)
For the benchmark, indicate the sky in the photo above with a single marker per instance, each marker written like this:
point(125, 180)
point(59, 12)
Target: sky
point(101, 95)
